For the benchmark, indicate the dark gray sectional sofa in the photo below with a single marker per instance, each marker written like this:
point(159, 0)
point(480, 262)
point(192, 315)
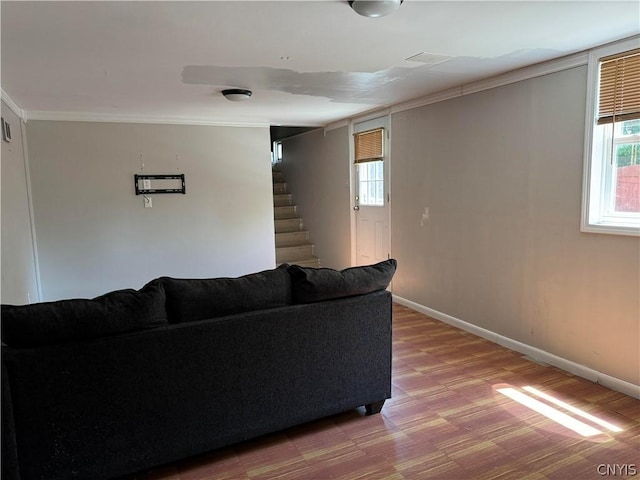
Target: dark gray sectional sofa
point(100, 388)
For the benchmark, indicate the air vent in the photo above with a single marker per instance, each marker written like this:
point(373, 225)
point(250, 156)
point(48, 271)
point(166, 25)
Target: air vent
point(428, 58)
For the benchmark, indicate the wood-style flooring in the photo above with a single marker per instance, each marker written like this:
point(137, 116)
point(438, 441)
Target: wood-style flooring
point(446, 420)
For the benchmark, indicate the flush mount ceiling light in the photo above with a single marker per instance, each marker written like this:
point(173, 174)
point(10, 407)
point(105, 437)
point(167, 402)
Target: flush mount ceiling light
point(236, 94)
point(375, 8)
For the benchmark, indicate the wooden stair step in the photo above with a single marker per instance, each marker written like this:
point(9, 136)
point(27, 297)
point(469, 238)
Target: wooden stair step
point(288, 239)
point(280, 188)
point(282, 200)
point(288, 225)
point(294, 253)
point(287, 211)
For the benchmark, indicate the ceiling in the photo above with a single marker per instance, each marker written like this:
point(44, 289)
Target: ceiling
point(307, 62)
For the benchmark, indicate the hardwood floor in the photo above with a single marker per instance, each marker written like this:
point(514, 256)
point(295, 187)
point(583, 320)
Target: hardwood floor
point(446, 420)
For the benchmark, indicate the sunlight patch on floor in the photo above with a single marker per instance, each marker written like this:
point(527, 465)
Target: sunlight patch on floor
point(572, 409)
point(521, 396)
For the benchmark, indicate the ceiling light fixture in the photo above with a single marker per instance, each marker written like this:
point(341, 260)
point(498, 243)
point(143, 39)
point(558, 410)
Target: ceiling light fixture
point(236, 94)
point(375, 8)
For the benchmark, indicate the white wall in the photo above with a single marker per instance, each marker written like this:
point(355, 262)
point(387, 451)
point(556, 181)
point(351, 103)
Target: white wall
point(501, 174)
point(316, 168)
point(19, 285)
point(94, 235)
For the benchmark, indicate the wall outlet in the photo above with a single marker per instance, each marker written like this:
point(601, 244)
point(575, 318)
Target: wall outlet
point(425, 216)
point(148, 203)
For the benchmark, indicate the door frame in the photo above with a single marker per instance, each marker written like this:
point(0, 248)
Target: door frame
point(386, 115)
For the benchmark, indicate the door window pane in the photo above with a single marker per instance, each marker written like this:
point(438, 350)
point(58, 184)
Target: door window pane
point(371, 183)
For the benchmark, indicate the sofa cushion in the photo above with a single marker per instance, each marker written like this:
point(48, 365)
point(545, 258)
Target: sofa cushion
point(317, 284)
point(194, 299)
point(62, 321)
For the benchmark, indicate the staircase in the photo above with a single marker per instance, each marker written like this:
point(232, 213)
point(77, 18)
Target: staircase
point(292, 241)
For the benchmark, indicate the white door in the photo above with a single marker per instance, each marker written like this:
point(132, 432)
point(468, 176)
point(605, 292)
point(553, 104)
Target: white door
point(371, 202)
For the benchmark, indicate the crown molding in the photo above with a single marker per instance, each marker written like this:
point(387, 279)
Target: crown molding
point(13, 105)
point(514, 76)
point(106, 118)
point(371, 115)
point(532, 71)
point(526, 73)
point(339, 124)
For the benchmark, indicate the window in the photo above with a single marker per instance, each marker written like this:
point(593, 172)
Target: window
point(369, 154)
point(611, 198)
point(371, 183)
point(276, 153)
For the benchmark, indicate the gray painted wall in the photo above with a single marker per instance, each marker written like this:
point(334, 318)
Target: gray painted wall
point(94, 235)
point(19, 284)
point(500, 171)
point(501, 174)
point(316, 167)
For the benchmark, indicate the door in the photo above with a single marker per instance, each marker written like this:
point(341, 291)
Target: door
point(371, 202)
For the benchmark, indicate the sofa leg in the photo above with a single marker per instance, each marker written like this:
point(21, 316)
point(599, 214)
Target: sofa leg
point(374, 407)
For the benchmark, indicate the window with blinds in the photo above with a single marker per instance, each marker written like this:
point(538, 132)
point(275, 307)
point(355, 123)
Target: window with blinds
point(611, 191)
point(619, 95)
point(369, 145)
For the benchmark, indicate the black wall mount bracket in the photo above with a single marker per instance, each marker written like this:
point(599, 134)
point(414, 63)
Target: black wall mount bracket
point(165, 184)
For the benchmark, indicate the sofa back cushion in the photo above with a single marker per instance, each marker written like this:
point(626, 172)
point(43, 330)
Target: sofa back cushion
point(194, 299)
point(317, 284)
point(50, 323)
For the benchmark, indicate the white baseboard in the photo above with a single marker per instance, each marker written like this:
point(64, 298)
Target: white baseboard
point(535, 353)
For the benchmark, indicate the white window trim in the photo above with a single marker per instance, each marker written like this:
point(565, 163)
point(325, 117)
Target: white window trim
point(594, 219)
